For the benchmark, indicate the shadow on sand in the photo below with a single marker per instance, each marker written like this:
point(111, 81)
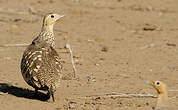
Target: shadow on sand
point(21, 92)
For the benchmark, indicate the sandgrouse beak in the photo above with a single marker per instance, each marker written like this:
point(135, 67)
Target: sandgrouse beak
point(61, 16)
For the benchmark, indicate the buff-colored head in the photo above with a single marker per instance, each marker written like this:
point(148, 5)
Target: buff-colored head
point(159, 86)
point(49, 20)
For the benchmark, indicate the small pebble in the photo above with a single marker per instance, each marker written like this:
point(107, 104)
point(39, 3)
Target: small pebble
point(104, 49)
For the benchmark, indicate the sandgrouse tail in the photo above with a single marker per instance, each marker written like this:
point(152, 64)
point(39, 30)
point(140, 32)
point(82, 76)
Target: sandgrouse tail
point(40, 64)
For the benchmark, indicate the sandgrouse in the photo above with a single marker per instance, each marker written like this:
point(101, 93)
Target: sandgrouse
point(162, 101)
point(40, 64)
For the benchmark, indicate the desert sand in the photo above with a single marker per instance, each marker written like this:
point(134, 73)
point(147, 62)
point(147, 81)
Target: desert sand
point(117, 45)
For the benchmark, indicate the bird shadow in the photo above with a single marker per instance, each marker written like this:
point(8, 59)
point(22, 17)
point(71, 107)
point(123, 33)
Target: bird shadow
point(22, 92)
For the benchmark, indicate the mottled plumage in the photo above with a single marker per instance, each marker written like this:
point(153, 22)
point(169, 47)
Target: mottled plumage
point(40, 64)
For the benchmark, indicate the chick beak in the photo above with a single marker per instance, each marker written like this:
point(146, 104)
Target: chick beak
point(150, 82)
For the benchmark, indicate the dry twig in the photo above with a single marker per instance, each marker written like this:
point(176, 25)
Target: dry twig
point(72, 60)
point(14, 12)
point(15, 45)
point(121, 95)
point(34, 12)
point(173, 90)
point(11, 11)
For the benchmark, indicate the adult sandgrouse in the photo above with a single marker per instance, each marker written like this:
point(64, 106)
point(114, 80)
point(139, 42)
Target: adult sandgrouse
point(162, 101)
point(40, 64)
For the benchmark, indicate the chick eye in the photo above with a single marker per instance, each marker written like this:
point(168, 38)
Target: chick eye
point(157, 83)
point(52, 16)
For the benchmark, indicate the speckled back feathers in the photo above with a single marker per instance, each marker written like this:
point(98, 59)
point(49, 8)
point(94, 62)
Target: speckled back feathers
point(40, 66)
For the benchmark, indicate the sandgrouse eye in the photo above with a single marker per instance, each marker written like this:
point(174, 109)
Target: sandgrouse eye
point(157, 83)
point(52, 16)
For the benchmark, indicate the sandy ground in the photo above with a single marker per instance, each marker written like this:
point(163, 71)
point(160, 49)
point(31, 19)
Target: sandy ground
point(117, 44)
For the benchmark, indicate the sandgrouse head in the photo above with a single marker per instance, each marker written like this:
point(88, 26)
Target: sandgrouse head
point(51, 18)
point(159, 86)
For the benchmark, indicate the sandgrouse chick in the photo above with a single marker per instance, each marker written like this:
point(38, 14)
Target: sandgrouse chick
point(40, 64)
point(162, 101)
